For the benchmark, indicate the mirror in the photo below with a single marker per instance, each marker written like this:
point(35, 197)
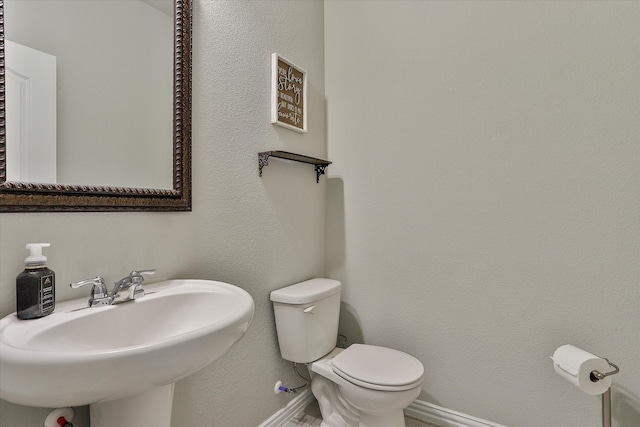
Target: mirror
point(141, 150)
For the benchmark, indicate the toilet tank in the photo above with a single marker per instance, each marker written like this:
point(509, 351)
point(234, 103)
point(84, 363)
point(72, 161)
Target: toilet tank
point(307, 316)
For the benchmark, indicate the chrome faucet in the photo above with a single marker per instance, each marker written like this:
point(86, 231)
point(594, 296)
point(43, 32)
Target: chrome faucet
point(99, 292)
point(126, 289)
point(130, 287)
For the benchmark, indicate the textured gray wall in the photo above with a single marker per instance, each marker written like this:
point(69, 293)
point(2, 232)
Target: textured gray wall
point(484, 205)
point(257, 233)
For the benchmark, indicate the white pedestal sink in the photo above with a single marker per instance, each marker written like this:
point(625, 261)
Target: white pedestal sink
point(121, 359)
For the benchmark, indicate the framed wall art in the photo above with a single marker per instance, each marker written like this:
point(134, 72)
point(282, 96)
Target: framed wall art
point(288, 94)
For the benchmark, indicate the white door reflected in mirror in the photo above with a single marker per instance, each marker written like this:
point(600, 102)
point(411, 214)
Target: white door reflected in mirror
point(31, 114)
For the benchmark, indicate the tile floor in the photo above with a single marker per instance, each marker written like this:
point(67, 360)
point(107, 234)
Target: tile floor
point(310, 417)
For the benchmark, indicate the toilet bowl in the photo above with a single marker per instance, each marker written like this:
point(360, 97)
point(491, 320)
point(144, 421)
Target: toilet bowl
point(360, 386)
point(377, 402)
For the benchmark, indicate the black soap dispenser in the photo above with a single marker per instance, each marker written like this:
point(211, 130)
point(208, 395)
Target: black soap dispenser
point(36, 285)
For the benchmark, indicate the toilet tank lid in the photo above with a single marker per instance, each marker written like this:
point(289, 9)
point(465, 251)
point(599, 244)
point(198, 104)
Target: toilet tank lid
point(307, 291)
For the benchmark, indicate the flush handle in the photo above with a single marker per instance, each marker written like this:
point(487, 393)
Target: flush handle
point(309, 309)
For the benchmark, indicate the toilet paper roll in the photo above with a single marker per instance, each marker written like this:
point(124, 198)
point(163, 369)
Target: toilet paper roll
point(575, 365)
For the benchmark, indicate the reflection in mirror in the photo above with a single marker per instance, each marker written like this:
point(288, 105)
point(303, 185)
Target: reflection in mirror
point(97, 104)
point(114, 91)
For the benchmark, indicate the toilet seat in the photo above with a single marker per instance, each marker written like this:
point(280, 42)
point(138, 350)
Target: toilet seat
point(378, 368)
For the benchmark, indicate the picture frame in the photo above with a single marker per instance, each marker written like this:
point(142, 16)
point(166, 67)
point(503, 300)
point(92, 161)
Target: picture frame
point(288, 94)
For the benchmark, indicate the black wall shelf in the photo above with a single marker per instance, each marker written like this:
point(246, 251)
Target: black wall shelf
point(320, 165)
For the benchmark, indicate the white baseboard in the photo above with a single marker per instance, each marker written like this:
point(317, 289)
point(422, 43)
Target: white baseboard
point(284, 415)
point(444, 417)
point(420, 410)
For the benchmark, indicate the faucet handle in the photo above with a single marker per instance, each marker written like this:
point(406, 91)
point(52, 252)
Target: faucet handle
point(97, 282)
point(99, 292)
point(136, 279)
point(136, 290)
point(141, 272)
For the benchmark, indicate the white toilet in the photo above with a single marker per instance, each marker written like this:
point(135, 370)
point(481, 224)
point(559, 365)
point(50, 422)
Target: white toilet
point(360, 386)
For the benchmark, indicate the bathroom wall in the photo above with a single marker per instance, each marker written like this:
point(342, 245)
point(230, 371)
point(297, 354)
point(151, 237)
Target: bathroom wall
point(484, 201)
point(257, 233)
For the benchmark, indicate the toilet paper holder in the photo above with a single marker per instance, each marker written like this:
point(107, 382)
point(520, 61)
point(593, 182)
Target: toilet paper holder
point(597, 376)
point(606, 396)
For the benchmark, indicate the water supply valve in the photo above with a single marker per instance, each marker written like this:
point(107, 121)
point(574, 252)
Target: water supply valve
point(60, 417)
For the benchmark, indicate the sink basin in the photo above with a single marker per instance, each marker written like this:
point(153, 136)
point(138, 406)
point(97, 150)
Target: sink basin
point(80, 355)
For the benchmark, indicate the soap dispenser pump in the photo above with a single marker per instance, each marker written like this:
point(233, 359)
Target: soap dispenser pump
point(36, 285)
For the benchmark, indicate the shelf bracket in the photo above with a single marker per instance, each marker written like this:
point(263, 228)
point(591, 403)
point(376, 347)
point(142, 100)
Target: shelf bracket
point(320, 170)
point(263, 160)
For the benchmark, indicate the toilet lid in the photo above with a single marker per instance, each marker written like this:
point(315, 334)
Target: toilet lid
point(378, 368)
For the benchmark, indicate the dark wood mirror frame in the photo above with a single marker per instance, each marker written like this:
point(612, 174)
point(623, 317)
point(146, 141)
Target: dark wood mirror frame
point(34, 197)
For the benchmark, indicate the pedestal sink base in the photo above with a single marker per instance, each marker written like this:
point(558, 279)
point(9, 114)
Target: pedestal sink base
point(150, 409)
